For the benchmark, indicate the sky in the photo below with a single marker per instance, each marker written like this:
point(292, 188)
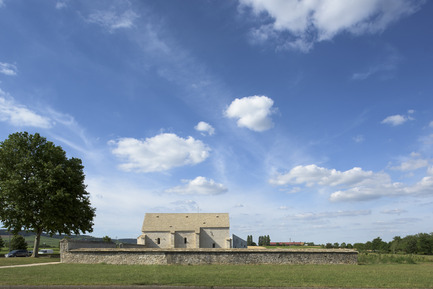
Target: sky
point(304, 120)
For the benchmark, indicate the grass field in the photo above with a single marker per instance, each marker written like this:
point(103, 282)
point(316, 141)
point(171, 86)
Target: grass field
point(343, 276)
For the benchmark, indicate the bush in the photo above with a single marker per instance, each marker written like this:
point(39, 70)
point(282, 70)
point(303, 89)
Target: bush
point(372, 258)
point(18, 243)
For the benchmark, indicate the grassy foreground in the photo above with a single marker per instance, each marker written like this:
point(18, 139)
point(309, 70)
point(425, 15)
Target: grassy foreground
point(348, 276)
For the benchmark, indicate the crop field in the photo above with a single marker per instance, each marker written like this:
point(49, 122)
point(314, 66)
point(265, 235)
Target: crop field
point(403, 275)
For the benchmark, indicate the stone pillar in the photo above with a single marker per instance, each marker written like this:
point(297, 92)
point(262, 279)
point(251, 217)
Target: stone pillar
point(197, 239)
point(172, 239)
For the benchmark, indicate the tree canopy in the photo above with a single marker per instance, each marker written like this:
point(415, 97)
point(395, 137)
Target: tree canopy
point(41, 190)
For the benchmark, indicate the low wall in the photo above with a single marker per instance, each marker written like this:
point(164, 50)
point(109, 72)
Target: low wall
point(146, 256)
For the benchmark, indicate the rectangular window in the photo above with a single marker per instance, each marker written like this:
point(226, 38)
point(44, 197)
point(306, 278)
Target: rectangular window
point(185, 240)
point(158, 241)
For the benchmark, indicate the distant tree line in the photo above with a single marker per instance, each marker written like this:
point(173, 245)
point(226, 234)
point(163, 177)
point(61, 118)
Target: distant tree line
point(421, 243)
point(264, 240)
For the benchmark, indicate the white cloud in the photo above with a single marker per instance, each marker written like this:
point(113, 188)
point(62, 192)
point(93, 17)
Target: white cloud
point(159, 153)
point(199, 186)
point(112, 20)
point(19, 115)
point(394, 211)
point(398, 119)
point(327, 215)
point(61, 4)
point(411, 165)
point(7, 68)
point(204, 127)
point(359, 138)
point(354, 184)
point(252, 112)
point(300, 24)
point(395, 120)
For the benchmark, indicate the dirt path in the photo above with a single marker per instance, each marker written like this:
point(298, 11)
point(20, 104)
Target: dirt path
point(29, 265)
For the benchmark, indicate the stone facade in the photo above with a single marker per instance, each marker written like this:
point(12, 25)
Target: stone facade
point(200, 230)
point(89, 253)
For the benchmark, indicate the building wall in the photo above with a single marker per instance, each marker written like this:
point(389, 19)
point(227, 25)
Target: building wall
point(158, 239)
point(214, 238)
point(185, 239)
point(238, 242)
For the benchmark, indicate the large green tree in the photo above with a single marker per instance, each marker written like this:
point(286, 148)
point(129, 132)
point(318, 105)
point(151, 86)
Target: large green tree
point(41, 190)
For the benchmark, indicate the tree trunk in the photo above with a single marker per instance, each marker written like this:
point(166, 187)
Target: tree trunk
point(37, 241)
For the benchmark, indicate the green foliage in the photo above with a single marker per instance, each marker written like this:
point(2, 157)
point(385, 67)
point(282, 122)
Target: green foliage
point(264, 240)
point(41, 190)
point(18, 243)
point(2, 243)
point(106, 239)
point(373, 258)
point(250, 241)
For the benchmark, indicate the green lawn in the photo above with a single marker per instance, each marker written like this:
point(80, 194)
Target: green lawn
point(344, 276)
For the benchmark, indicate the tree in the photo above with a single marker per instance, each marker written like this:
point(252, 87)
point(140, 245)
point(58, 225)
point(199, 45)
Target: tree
point(107, 239)
point(2, 243)
point(18, 243)
point(425, 243)
point(41, 190)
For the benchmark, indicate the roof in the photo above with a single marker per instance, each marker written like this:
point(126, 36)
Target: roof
point(184, 222)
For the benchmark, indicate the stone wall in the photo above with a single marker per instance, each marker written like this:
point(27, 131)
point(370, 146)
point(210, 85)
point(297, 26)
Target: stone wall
point(146, 256)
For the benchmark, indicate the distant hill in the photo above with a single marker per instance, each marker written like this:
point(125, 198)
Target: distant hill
point(53, 241)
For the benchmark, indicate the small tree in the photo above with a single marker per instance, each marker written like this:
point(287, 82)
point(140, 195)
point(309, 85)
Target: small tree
point(18, 243)
point(2, 243)
point(106, 239)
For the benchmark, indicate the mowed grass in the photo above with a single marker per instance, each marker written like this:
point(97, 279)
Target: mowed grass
point(343, 276)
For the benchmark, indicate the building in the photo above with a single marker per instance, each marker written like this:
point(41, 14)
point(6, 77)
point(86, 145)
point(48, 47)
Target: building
point(194, 230)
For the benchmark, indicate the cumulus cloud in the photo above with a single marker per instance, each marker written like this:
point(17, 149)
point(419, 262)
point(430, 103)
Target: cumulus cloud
point(159, 153)
point(204, 128)
point(252, 112)
point(354, 184)
point(199, 186)
point(398, 119)
point(112, 19)
point(7, 68)
point(19, 115)
point(299, 24)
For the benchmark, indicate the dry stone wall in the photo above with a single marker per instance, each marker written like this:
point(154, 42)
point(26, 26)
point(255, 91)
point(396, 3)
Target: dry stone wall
point(136, 254)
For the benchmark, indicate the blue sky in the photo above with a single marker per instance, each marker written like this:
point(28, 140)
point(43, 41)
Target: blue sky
point(309, 121)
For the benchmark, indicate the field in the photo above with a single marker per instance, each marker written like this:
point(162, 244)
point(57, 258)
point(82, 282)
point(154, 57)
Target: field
point(343, 276)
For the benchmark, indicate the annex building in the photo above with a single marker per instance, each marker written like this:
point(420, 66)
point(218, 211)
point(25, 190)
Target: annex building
point(182, 230)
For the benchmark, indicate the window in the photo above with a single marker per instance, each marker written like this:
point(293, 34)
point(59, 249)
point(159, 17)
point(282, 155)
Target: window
point(213, 245)
point(185, 240)
point(158, 241)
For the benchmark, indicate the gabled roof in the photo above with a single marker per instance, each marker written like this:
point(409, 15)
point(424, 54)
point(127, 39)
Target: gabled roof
point(184, 222)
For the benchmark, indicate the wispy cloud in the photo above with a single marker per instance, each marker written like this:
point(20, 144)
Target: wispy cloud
point(252, 112)
point(113, 19)
point(159, 153)
point(19, 115)
point(327, 215)
point(383, 70)
point(7, 68)
point(301, 24)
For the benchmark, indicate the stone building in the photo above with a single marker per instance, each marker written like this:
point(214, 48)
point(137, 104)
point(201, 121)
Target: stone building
point(193, 230)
